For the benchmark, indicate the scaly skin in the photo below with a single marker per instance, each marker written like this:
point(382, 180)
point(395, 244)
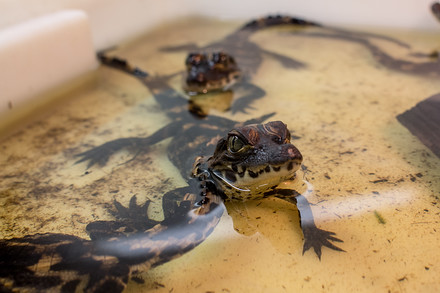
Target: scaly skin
point(118, 248)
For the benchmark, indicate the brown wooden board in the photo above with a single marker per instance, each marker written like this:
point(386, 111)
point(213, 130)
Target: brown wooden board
point(423, 120)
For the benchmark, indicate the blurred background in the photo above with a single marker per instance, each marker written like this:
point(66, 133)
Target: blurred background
point(113, 21)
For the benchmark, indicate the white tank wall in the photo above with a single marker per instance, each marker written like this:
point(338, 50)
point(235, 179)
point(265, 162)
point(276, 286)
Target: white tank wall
point(112, 21)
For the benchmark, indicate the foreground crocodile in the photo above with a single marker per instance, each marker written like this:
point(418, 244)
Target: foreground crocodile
point(248, 163)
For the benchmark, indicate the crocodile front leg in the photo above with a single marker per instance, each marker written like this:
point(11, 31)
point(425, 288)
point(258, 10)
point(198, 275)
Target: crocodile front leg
point(188, 226)
point(65, 263)
point(129, 220)
point(313, 236)
point(135, 219)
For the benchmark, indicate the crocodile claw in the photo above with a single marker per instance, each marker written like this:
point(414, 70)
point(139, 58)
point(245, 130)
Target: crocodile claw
point(317, 238)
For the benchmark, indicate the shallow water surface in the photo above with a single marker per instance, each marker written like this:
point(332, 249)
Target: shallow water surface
point(371, 181)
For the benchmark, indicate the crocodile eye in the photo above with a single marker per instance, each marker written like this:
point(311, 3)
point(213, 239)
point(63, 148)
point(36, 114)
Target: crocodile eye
point(194, 59)
point(277, 139)
point(235, 144)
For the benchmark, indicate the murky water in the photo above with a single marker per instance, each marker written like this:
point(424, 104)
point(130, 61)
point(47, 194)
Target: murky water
point(374, 184)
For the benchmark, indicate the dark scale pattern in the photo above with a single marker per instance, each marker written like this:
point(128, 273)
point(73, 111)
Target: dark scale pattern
point(230, 175)
point(252, 174)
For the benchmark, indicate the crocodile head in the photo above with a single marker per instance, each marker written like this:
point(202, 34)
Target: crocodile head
point(212, 72)
point(254, 159)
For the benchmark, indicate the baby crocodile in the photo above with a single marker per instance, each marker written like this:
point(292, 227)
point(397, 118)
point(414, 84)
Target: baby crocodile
point(218, 67)
point(213, 72)
point(248, 163)
point(206, 73)
point(249, 55)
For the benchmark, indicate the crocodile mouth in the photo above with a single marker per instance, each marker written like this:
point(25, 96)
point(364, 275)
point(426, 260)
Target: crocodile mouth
point(210, 82)
point(255, 181)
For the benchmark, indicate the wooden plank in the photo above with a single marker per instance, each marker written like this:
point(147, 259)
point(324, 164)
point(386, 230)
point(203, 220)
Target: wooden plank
point(423, 120)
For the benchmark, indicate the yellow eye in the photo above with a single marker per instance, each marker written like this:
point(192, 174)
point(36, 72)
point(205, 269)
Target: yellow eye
point(235, 144)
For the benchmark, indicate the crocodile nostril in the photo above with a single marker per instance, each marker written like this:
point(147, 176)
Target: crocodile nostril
point(294, 153)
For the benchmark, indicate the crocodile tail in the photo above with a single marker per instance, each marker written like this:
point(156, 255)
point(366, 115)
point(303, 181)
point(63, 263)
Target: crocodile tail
point(277, 20)
point(166, 96)
point(65, 263)
point(121, 64)
point(167, 240)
